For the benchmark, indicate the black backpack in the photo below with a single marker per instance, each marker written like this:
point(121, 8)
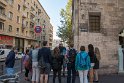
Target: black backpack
point(72, 55)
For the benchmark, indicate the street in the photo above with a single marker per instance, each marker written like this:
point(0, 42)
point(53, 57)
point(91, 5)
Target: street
point(113, 78)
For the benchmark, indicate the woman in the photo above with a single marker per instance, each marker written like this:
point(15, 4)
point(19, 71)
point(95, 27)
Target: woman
point(35, 68)
point(96, 66)
point(82, 64)
point(92, 59)
point(26, 63)
point(57, 61)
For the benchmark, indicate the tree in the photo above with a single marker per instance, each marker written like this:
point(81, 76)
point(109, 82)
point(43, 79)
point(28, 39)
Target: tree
point(65, 29)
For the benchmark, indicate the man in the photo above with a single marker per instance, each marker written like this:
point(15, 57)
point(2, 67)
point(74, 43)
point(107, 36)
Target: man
point(63, 53)
point(71, 64)
point(10, 61)
point(44, 61)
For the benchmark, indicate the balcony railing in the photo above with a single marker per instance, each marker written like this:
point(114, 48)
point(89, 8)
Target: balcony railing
point(25, 5)
point(24, 15)
point(32, 29)
point(24, 26)
point(2, 16)
point(3, 2)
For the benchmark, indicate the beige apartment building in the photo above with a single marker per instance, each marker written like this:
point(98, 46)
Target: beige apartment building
point(17, 21)
point(101, 23)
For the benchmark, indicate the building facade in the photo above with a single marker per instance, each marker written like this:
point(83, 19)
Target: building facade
point(18, 19)
point(101, 23)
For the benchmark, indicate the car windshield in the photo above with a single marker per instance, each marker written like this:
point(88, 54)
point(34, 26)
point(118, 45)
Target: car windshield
point(0, 52)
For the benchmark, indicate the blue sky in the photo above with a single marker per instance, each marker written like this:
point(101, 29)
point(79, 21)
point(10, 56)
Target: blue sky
point(53, 8)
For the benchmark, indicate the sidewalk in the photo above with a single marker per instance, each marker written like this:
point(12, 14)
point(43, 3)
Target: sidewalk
point(113, 78)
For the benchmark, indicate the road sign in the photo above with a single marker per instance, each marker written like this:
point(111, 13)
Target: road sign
point(37, 29)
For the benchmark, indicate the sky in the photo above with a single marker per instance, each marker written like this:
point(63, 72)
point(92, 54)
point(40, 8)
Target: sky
point(53, 8)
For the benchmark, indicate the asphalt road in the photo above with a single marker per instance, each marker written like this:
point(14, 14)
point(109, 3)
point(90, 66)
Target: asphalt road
point(115, 78)
point(17, 66)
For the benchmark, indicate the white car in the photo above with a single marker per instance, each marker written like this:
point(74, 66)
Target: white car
point(4, 53)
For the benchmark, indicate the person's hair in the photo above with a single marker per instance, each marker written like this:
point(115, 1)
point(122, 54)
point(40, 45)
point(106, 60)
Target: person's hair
point(60, 44)
point(44, 43)
point(71, 45)
point(91, 50)
point(82, 48)
point(27, 51)
point(97, 52)
point(56, 52)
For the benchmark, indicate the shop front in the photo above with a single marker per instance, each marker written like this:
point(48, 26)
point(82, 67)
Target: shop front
point(6, 41)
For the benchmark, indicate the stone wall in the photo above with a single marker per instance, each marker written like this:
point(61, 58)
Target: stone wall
point(112, 21)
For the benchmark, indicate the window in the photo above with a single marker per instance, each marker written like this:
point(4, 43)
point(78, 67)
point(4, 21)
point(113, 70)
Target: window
point(10, 15)
point(94, 22)
point(19, 7)
point(43, 37)
point(1, 26)
point(27, 14)
point(17, 30)
point(10, 28)
point(18, 19)
point(1, 52)
point(26, 23)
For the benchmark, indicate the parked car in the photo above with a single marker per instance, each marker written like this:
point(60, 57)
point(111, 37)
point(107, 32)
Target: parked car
point(4, 53)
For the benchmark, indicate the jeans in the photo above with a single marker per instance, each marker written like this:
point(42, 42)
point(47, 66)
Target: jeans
point(83, 76)
point(71, 71)
point(36, 72)
point(9, 71)
point(59, 75)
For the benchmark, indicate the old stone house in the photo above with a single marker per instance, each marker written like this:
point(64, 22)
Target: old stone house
point(101, 23)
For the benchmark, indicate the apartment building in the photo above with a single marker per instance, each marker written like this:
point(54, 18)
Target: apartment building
point(17, 21)
point(101, 23)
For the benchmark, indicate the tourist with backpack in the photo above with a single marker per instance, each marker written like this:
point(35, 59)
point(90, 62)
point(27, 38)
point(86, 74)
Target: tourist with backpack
point(92, 58)
point(44, 61)
point(96, 66)
point(57, 61)
point(82, 64)
point(35, 68)
point(71, 56)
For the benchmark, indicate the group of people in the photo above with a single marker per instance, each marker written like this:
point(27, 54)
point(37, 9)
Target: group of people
point(41, 61)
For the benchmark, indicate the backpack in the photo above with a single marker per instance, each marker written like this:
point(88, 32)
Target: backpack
point(72, 55)
point(82, 61)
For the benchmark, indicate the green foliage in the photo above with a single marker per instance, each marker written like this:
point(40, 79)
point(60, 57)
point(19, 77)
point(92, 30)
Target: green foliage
point(65, 29)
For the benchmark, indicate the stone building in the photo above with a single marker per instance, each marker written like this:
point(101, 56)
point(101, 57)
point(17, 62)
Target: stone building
point(17, 21)
point(101, 23)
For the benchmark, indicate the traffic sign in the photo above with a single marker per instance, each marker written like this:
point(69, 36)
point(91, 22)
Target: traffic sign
point(37, 29)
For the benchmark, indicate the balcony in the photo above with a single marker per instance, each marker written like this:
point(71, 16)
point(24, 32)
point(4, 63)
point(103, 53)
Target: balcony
point(33, 12)
point(3, 2)
point(32, 29)
point(2, 17)
point(24, 15)
point(32, 20)
point(24, 26)
point(25, 5)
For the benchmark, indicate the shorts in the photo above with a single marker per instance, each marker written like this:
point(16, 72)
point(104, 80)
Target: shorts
point(45, 70)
